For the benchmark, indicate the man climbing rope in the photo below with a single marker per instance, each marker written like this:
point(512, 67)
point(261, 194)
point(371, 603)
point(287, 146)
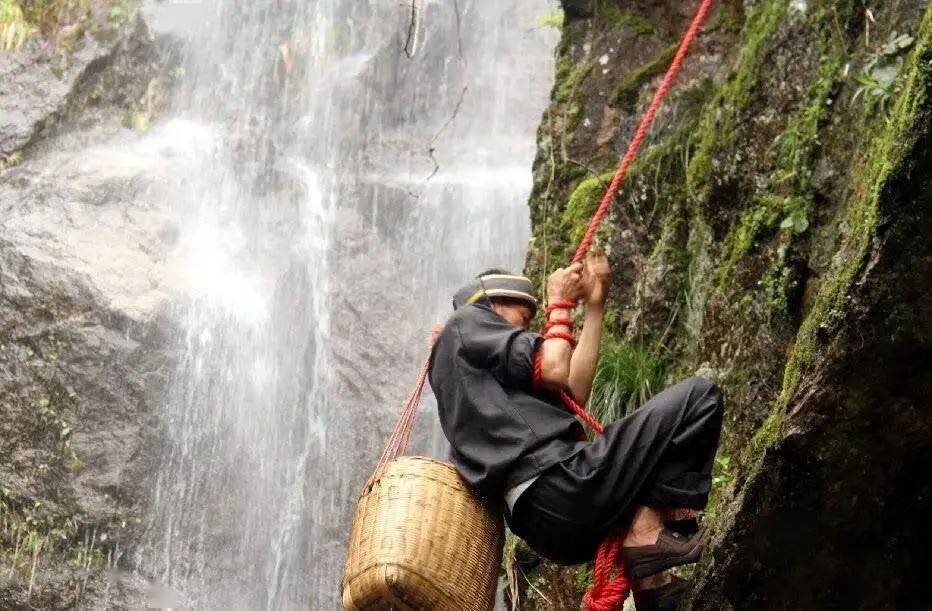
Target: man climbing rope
point(512, 439)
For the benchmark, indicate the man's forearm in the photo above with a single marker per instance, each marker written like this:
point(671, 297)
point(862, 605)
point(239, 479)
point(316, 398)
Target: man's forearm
point(586, 355)
point(556, 354)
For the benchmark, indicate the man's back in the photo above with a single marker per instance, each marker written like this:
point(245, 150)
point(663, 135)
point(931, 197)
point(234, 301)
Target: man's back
point(502, 430)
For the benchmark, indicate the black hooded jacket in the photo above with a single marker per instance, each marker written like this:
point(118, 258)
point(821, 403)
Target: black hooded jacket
point(502, 430)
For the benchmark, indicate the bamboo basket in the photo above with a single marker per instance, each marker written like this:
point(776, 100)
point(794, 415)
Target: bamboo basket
point(421, 540)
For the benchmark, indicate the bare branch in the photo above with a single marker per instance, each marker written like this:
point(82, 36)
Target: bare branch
point(443, 128)
point(414, 23)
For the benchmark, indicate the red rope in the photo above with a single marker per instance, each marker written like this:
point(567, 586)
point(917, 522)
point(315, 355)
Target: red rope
point(643, 129)
point(610, 586)
point(609, 592)
point(398, 440)
point(557, 322)
point(559, 305)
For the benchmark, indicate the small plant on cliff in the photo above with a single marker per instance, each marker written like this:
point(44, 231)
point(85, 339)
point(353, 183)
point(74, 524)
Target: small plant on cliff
point(119, 15)
point(552, 19)
point(722, 475)
point(49, 15)
point(20, 19)
point(13, 25)
point(878, 82)
point(626, 377)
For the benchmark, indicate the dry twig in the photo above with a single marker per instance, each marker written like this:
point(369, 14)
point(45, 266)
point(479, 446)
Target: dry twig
point(443, 128)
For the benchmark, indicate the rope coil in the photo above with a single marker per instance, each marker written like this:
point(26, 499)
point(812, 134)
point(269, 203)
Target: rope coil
point(610, 585)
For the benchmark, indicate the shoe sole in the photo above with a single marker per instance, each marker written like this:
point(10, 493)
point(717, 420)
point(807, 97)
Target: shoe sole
point(653, 567)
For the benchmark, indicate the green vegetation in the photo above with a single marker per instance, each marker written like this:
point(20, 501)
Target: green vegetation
point(566, 94)
point(83, 555)
point(569, 78)
point(884, 156)
point(20, 19)
point(763, 216)
point(625, 93)
point(878, 164)
point(797, 145)
point(510, 564)
point(582, 580)
point(787, 203)
point(721, 472)
point(29, 533)
point(618, 18)
point(121, 13)
point(627, 376)
point(792, 174)
point(47, 14)
point(716, 132)
point(879, 81)
point(551, 19)
point(49, 408)
point(581, 205)
point(14, 28)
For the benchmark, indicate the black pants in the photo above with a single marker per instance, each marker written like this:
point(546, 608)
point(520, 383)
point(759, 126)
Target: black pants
point(660, 456)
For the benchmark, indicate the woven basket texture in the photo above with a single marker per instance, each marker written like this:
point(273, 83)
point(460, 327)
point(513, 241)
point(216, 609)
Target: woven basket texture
point(421, 540)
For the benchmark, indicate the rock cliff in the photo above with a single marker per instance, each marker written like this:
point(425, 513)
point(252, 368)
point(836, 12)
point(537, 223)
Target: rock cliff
point(78, 333)
point(772, 237)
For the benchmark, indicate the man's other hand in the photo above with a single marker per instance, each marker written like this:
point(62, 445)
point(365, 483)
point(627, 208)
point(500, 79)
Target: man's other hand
point(596, 277)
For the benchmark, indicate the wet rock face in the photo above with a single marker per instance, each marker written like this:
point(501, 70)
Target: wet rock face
point(75, 423)
point(49, 84)
point(768, 240)
point(79, 335)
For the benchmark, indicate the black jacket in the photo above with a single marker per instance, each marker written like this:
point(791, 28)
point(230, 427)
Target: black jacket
point(502, 431)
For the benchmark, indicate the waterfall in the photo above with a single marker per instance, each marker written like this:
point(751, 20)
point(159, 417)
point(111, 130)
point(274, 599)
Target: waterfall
point(342, 167)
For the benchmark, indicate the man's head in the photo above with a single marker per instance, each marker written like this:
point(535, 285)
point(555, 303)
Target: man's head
point(517, 313)
point(511, 296)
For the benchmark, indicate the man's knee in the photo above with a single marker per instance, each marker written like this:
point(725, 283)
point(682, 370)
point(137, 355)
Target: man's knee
point(701, 385)
point(693, 397)
point(704, 394)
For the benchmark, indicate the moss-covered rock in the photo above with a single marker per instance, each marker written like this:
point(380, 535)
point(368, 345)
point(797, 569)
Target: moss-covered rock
point(769, 238)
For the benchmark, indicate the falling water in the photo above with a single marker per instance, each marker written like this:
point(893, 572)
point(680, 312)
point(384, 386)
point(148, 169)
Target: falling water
point(344, 164)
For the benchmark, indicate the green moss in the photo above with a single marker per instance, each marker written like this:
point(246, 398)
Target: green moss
point(885, 155)
point(751, 224)
point(625, 93)
point(797, 145)
point(569, 77)
point(581, 205)
point(697, 283)
point(551, 19)
point(509, 564)
point(790, 201)
point(767, 212)
point(752, 455)
point(582, 578)
point(47, 13)
point(716, 131)
point(775, 286)
point(618, 18)
point(84, 556)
